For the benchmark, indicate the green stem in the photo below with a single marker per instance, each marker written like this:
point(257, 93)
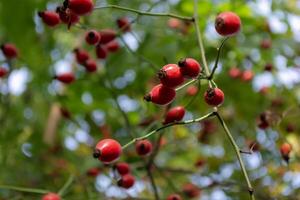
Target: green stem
point(190, 82)
point(67, 184)
point(139, 12)
point(168, 125)
point(237, 151)
point(22, 189)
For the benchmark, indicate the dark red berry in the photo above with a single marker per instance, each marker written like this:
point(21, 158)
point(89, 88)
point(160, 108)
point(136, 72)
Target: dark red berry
point(108, 150)
point(285, 150)
point(247, 75)
point(90, 65)
point(191, 190)
point(65, 113)
point(123, 168)
point(126, 181)
point(170, 76)
point(174, 197)
point(51, 196)
point(124, 24)
point(81, 7)
point(93, 172)
point(9, 50)
point(268, 67)
point(66, 78)
point(234, 72)
point(50, 18)
point(107, 35)
point(143, 147)
point(3, 72)
point(214, 96)
point(81, 55)
point(101, 51)
point(161, 95)
point(174, 114)
point(189, 67)
point(67, 16)
point(199, 163)
point(227, 23)
point(266, 44)
point(112, 46)
point(92, 37)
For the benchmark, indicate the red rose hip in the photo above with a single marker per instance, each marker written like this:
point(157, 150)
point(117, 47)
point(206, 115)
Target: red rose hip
point(81, 55)
point(234, 72)
point(93, 172)
point(285, 150)
point(81, 7)
point(124, 24)
point(9, 50)
point(227, 23)
point(174, 114)
point(123, 168)
point(214, 96)
point(247, 75)
point(161, 95)
point(51, 196)
point(126, 181)
point(107, 35)
point(50, 18)
point(66, 78)
point(67, 16)
point(101, 51)
point(112, 46)
point(189, 67)
point(107, 150)
point(170, 76)
point(90, 65)
point(3, 72)
point(143, 147)
point(92, 37)
point(174, 197)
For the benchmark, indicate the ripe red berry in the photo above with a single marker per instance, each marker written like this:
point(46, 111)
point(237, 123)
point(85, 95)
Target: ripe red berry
point(263, 120)
point(3, 72)
point(189, 67)
point(51, 196)
point(143, 147)
point(67, 16)
point(107, 35)
point(107, 150)
point(174, 23)
point(174, 197)
point(161, 95)
point(234, 72)
point(50, 18)
point(214, 96)
point(123, 168)
point(170, 75)
point(266, 44)
point(81, 55)
point(81, 7)
point(124, 24)
point(66, 78)
point(92, 37)
point(9, 50)
point(65, 113)
point(112, 46)
point(247, 75)
point(191, 190)
point(268, 67)
point(174, 114)
point(101, 51)
point(285, 150)
point(93, 172)
point(192, 90)
point(90, 65)
point(126, 181)
point(227, 23)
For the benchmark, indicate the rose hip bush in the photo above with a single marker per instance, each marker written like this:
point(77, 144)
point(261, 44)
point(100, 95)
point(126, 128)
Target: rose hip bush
point(149, 99)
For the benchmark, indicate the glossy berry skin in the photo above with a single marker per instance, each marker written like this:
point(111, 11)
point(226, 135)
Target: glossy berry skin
point(81, 56)
point(247, 75)
point(143, 147)
point(126, 181)
point(189, 67)
point(9, 50)
point(107, 35)
point(66, 78)
point(93, 172)
point(81, 7)
point(67, 16)
point(174, 114)
point(214, 96)
point(90, 65)
point(124, 24)
point(92, 37)
point(234, 72)
point(50, 18)
point(108, 150)
point(227, 23)
point(170, 76)
point(112, 46)
point(51, 196)
point(123, 168)
point(174, 197)
point(3, 72)
point(101, 51)
point(161, 95)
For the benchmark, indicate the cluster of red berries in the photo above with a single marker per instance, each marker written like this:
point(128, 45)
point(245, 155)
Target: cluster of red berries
point(10, 51)
point(67, 13)
point(236, 73)
point(171, 76)
point(127, 179)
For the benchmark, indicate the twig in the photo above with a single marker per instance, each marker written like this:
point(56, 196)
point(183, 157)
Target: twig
point(67, 184)
point(22, 189)
point(150, 175)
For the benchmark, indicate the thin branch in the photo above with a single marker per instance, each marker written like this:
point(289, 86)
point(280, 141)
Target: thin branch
point(150, 175)
point(22, 189)
point(217, 59)
point(168, 125)
point(66, 185)
point(139, 12)
point(237, 151)
point(190, 82)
